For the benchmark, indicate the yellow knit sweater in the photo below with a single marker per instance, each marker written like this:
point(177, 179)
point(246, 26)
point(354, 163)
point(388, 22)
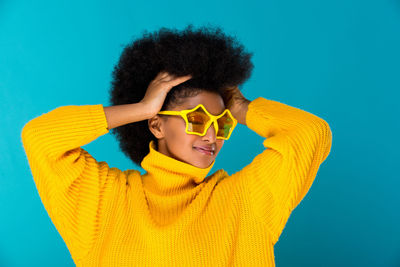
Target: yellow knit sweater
point(174, 214)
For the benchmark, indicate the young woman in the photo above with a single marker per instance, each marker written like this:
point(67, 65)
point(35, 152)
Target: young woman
point(175, 101)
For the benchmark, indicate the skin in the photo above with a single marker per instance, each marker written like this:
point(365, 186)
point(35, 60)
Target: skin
point(174, 142)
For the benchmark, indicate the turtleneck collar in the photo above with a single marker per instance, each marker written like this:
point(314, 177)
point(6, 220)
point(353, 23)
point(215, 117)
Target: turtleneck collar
point(166, 175)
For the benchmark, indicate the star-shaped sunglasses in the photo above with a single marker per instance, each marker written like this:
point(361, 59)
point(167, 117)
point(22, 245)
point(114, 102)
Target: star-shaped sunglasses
point(198, 120)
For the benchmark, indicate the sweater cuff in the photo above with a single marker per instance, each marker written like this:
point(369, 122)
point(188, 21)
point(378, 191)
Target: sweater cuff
point(98, 118)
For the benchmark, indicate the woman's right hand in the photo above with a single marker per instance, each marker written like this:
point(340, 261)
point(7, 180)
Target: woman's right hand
point(158, 89)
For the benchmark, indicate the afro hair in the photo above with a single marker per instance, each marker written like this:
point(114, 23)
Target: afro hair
point(215, 61)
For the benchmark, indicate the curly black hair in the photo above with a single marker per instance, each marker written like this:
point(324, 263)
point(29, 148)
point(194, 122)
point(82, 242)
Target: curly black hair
point(215, 61)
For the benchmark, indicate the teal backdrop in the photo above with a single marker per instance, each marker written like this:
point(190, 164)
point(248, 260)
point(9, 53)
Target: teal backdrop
point(339, 60)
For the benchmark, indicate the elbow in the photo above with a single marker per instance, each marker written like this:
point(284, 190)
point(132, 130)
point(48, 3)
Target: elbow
point(25, 133)
point(28, 133)
point(324, 137)
point(319, 133)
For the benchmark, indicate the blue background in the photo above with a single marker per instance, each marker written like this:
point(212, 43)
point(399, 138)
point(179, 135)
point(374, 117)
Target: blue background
point(339, 60)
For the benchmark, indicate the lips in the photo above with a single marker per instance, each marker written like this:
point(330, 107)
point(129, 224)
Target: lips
point(205, 150)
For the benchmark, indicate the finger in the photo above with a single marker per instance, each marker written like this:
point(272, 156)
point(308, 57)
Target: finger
point(179, 80)
point(168, 77)
point(161, 75)
point(164, 74)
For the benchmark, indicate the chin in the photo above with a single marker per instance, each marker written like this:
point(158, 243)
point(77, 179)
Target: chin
point(204, 165)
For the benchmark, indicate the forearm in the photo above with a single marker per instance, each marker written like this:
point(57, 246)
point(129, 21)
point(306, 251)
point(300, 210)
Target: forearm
point(119, 115)
point(67, 127)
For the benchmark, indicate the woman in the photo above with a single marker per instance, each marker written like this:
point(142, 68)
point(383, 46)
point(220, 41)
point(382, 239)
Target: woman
point(174, 214)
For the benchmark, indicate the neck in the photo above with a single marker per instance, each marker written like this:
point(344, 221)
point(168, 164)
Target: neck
point(166, 175)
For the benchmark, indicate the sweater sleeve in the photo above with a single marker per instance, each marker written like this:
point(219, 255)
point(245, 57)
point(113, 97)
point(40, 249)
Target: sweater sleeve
point(71, 183)
point(296, 143)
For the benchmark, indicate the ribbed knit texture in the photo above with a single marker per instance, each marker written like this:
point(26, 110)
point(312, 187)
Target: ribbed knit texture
point(174, 214)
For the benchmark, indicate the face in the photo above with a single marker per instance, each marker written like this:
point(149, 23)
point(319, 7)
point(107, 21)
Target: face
point(174, 142)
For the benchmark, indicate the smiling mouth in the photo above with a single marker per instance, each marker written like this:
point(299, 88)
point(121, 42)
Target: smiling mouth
point(203, 151)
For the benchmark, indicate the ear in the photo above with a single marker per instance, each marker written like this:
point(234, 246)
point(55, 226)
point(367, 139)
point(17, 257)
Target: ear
point(156, 126)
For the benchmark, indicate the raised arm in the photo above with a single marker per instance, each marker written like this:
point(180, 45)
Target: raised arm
point(277, 179)
point(73, 186)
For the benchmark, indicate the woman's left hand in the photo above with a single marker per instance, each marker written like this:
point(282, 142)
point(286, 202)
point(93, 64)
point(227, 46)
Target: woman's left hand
point(236, 103)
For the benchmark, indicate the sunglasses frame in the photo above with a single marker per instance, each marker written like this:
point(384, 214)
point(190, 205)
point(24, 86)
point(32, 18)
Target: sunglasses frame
point(213, 120)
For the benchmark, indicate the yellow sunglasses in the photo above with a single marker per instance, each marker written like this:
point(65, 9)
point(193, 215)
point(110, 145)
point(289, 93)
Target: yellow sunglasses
point(198, 120)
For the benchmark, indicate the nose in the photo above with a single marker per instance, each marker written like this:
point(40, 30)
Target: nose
point(211, 133)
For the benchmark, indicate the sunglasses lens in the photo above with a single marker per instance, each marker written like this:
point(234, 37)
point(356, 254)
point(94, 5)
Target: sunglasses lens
point(197, 121)
point(225, 124)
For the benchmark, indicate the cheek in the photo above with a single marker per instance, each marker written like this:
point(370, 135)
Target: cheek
point(175, 130)
point(219, 144)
